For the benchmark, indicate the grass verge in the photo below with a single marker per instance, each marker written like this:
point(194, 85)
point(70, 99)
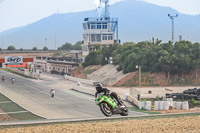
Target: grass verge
point(13, 107)
point(7, 70)
point(142, 111)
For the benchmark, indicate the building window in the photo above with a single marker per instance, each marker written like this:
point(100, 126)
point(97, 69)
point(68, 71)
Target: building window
point(105, 37)
point(105, 26)
point(88, 24)
point(98, 37)
point(98, 25)
point(110, 37)
point(93, 26)
point(93, 38)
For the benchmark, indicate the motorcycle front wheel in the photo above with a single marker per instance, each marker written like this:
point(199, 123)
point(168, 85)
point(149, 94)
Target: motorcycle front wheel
point(124, 111)
point(105, 109)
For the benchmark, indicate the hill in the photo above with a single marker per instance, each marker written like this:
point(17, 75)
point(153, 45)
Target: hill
point(138, 21)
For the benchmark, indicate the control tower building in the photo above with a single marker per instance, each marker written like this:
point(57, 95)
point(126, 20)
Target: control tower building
point(102, 31)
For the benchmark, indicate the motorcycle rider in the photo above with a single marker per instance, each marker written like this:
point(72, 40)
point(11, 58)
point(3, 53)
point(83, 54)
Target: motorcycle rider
point(52, 92)
point(99, 89)
point(3, 78)
point(13, 80)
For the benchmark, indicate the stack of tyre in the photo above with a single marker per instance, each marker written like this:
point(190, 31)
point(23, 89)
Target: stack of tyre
point(186, 95)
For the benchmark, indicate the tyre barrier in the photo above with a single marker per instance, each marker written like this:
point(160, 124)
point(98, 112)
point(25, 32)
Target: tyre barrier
point(186, 95)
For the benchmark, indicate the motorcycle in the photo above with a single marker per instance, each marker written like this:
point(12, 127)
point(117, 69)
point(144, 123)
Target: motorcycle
point(109, 106)
point(13, 80)
point(52, 92)
point(3, 78)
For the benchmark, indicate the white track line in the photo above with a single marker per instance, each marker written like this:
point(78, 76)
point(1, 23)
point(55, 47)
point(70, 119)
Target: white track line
point(5, 102)
point(17, 112)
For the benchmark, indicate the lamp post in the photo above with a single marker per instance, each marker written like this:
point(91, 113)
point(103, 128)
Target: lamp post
point(172, 18)
point(139, 76)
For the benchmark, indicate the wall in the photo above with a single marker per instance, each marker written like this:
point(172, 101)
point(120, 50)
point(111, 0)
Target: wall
point(85, 81)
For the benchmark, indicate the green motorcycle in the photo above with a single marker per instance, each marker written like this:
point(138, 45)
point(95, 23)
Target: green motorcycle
point(109, 106)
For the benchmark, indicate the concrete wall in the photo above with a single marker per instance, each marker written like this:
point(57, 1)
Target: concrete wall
point(84, 89)
point(16, 70)
point(26, 73)
point(85, 81)
point(132, 100)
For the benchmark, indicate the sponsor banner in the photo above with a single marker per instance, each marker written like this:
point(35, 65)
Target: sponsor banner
point(13, 60)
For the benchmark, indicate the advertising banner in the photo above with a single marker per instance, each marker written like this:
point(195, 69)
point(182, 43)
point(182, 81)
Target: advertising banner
point(13, 60)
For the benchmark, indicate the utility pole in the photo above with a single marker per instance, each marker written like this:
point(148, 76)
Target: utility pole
point(172, 18)
point(140, 76)
point(140, 85)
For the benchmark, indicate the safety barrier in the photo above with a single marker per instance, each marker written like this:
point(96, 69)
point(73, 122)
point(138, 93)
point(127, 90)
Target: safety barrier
point(132, 100)
point(84, 89)
point(85, 81)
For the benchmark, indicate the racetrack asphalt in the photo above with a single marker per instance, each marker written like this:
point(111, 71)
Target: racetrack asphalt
point(34, 96)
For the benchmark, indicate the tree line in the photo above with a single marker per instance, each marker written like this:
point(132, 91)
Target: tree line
point(65, 46)
point(153, 56)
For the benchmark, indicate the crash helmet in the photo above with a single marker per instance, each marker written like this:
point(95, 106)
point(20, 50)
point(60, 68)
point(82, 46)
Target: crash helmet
point(99, 87)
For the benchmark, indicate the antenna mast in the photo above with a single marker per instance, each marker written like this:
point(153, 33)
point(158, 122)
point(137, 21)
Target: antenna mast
point(106, 13)
point(172, 18)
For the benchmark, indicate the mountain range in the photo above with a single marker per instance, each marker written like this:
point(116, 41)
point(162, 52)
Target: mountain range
point(138, 21)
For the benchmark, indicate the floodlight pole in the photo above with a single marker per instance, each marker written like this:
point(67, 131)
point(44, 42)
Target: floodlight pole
point(172, 18)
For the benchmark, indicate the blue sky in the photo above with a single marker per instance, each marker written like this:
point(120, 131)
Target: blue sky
point(15, 13)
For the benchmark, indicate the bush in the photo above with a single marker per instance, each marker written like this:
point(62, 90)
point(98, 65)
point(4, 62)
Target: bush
point(34, 48)
point(11, 48)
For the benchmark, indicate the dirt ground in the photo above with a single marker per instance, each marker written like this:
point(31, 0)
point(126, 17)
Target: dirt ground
point(187, 124)
point(179, 111)
point(80, 72)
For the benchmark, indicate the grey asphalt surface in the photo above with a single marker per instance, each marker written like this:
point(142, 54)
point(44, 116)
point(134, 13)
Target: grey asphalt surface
point(33, 95)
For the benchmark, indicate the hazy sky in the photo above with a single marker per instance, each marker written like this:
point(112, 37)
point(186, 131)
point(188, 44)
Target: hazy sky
point(14, 13)
point(191, 7)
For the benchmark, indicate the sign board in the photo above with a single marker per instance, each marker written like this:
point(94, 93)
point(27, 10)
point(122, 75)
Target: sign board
point(13, 60)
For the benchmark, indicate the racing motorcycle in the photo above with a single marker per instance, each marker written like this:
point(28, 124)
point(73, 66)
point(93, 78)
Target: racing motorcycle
point(109, 106)
point(3, 78)
point(13, 80)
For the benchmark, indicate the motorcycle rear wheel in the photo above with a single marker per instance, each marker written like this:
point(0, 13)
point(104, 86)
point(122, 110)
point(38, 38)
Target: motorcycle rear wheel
point(106, 109)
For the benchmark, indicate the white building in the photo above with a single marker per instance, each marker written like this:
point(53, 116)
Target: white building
point(102, 31)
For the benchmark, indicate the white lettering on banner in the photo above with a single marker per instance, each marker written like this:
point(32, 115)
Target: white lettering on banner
point(13, 60)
